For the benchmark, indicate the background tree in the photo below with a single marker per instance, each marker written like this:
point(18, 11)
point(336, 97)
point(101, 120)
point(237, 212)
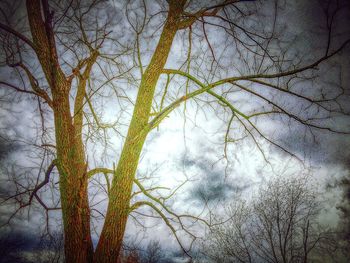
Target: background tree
point(50, 249)
point(64, 61)
point(153, 252)
point(281, 225)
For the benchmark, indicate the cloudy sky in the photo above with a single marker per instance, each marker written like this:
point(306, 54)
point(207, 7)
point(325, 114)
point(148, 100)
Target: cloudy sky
point(188, 147)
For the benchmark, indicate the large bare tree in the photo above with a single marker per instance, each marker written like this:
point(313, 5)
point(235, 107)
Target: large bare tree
point(239, 61)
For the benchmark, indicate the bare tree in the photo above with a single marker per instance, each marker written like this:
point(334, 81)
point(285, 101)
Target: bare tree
point(64, 54)
point(51, 67)
point(280, 225)
point(344, 211)
point(131, 255)
point(50, 249)
point(153, 252)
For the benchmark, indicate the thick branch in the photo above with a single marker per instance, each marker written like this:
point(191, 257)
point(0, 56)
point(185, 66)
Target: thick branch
point(44, 182)
point(209, 11)
point(92, 172)
point(17, 88)
point(281, 74)
point(18, 35)
point(35, 85)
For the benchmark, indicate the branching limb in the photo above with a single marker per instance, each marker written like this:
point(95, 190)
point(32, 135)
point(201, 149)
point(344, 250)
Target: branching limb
point(312, 66)
point(293, 116)
point(33, 194)
point(92, 172)
point(162, 204)
point(33, 82)
point(18, 35)
point(190, 19)
point(44, 182)
point(35, 85)
point(165, 219)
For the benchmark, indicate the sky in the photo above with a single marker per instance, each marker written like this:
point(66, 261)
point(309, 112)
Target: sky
point(187, 147)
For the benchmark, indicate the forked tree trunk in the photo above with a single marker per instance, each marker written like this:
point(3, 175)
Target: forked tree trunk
point(70, 159)
point(71, 162)
point(111, 238)
point(73, 187)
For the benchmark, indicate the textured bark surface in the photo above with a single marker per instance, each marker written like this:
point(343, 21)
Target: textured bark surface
point(73, 188)
point(112, 234)
point(64, 84)
point(71, 162)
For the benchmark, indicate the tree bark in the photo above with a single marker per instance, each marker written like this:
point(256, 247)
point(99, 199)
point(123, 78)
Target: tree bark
point(112, 234)
point(73, 186)
point(71, 162)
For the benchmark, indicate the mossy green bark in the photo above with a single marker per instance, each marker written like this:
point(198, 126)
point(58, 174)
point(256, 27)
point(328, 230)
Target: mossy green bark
point(71, 162)
point(112, 234)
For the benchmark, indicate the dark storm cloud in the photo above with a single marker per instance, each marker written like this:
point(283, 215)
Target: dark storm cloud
point(320, 147)
point(309, 20)
point(7, 147)
point(14, 243)
point(207, 191)
point(28, 247)
point(213, 185)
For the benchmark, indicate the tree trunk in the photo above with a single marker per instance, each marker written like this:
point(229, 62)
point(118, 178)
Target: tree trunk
point(112, 234)
point(71, 162)
point(73, 183)
point(69, 147)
